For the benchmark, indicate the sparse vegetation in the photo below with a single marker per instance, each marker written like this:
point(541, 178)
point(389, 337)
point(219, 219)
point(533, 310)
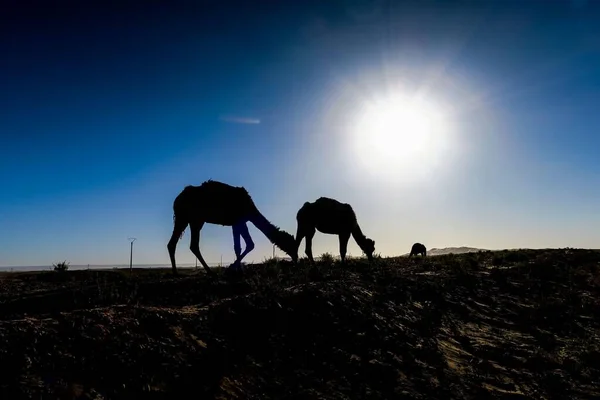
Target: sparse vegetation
point(489, 324)
point(62, 266)
point(327, 258)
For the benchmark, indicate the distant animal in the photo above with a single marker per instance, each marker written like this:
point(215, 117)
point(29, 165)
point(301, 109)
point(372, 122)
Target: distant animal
point(329, 216)
point(417, 249)
point(215, 202)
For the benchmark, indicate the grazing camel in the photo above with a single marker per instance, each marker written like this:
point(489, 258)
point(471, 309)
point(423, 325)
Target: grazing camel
point(417, 249)
point(218, 203)
point(331, 217)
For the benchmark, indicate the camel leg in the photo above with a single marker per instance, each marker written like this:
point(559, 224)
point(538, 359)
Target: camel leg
point(344, 238)
point(299, 235)
point(237, 246)
point(195, 244)
point(242, 230)
point(309, 237)
point(172, 245)
point(247, 239)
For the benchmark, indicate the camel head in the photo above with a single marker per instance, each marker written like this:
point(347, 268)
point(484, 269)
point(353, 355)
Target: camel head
point(287, 243)
point(369, 248)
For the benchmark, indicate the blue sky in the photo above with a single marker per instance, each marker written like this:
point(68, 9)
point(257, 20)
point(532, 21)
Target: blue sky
point(107, 112)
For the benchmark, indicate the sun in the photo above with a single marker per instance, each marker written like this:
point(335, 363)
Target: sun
point(398, 135)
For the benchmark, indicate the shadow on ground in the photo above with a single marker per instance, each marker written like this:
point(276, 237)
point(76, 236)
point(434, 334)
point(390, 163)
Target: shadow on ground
point(520, 324)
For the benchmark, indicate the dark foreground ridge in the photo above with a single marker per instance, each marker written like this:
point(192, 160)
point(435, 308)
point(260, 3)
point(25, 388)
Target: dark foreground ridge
point(519, 324)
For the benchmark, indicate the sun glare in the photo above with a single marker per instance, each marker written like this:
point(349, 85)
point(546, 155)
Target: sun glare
point(398, 135)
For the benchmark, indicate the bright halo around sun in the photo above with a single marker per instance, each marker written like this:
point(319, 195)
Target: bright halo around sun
point(400, 137)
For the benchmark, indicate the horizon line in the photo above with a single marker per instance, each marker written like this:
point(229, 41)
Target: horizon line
point(113, 265)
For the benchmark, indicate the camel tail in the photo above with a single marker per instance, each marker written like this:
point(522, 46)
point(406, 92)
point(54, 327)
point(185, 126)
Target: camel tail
point(278, 237)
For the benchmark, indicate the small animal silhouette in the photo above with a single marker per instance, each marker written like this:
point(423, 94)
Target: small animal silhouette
point(329, 216)
point(418, 248)
point(215, 202)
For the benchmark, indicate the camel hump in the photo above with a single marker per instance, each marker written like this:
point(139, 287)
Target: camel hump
point(329, 205)
point(418, 248)
point(212, 184)
point(327, 202)
point(188, 188)
point(216, 188)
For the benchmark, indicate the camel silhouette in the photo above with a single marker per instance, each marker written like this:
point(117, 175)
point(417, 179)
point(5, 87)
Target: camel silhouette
point(329, 216)
point(215, 202)
point(417, 249)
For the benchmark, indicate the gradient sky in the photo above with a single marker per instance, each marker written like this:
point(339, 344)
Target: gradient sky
point(108, 109)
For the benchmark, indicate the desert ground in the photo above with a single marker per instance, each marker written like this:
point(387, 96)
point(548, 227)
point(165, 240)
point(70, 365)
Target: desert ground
point(507, 324)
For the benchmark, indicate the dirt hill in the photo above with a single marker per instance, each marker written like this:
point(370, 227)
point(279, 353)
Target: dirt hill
point(500, 324)
point(451, 250)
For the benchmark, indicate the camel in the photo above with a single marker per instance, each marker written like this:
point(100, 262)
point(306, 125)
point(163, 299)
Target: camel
point(417, 249)
point(329, 216)
point(215, 202)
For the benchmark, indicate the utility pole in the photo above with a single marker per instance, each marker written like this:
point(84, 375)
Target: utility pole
point(273, 251)
point(131, 240)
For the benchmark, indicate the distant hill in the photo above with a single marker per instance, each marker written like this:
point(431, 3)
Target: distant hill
point(451, 250)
